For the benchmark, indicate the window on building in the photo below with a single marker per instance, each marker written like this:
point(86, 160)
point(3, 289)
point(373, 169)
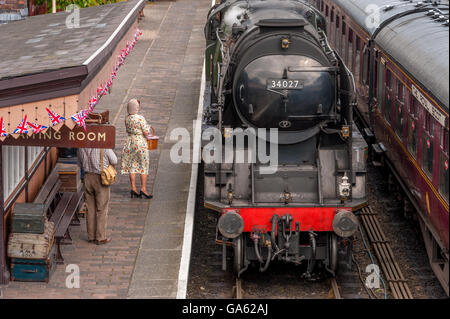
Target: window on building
point(13, 162)
point(443, 170)
point(33, 154)
point(428, 149)
point(326, 10)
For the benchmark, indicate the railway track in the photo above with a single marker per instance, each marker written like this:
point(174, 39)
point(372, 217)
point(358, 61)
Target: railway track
point(335, 292)
point(396, 281)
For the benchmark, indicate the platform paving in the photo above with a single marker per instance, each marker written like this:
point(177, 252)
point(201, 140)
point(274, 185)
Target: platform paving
point(142, 260)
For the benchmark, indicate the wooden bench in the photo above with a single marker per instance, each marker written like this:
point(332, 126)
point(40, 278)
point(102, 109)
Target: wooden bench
point(62, 208)
point(65, 216)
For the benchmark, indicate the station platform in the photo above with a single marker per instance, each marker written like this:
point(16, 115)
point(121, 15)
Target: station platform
point(143, 259)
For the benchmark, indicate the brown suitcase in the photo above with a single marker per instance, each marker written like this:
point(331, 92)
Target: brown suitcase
point(69, 174)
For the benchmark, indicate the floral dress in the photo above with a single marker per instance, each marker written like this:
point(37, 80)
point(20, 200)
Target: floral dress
point(135, 159)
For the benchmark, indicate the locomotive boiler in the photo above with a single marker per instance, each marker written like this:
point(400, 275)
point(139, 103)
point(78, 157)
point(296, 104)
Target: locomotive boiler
point(276, 87)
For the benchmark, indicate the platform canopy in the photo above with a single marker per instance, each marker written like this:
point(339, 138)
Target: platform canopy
point(51, 69)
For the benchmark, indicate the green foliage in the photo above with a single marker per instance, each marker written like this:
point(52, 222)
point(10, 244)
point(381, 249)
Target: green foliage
point(62, 4)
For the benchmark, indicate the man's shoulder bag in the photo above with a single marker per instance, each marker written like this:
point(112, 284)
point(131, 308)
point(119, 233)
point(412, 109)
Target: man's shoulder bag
point(108, 174)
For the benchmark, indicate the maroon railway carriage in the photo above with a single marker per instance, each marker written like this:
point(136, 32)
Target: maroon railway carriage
point(399, 54)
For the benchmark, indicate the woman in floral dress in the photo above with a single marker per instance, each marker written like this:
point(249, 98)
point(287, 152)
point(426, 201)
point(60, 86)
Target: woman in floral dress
point(135, 159)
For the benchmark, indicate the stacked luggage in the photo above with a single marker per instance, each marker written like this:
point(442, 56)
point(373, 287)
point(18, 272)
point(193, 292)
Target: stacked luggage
point(30, 244)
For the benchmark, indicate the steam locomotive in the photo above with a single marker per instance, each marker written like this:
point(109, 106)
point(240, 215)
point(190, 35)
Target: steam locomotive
point(270, 69)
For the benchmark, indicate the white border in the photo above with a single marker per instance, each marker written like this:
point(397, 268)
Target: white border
point(183, 273)
point(113, 35)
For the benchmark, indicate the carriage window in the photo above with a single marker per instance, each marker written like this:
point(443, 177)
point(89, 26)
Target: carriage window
point(444, 139)
point(412, 127)
point(338, 35)
point(380, 83)
point(414, 110)
point(443, 170)
point(399, 109)
point(357, 69)
point(443, 176)
point(399, 120)
point(388, 97)
point(350, 49)
point(428, 125)
point(344, 45)
point(366, 66)
point(427, 162)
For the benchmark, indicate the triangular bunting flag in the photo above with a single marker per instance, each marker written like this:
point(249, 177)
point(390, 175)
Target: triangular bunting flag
point(22, 128)
point(2, 128)
point(80, 118)
point(54, 117)
point(37, 128)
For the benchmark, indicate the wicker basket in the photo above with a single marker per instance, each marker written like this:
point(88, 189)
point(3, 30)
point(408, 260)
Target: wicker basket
point(152, 142)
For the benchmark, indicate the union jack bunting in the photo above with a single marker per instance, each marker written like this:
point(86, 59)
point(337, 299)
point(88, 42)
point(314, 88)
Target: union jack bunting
point(22, 128)
point(54, 117)
point(80, 118)
point(36, 127)
point(2, 128)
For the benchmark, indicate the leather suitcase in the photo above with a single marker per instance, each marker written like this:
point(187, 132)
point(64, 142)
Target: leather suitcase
point(34, 269)
point(31, 246)
point(28, 218)
point(69, 174)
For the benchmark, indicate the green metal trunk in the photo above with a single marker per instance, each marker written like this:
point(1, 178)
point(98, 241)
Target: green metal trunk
point(28, 218)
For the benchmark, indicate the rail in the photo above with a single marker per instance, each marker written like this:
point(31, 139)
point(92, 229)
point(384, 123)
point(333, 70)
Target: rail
point(394, 276)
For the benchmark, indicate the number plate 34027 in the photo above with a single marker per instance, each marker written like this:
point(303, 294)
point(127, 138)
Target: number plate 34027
point(284, 84)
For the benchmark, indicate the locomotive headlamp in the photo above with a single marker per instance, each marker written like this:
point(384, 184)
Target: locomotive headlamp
point(287, 197)
point(231, 224)
point(230, 196)
point(344, 188)
point(345, 223)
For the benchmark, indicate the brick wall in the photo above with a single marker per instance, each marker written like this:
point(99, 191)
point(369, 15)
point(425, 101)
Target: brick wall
point(12, 5)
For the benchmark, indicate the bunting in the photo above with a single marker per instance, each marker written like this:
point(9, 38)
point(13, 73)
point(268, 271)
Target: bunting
point(80, 117)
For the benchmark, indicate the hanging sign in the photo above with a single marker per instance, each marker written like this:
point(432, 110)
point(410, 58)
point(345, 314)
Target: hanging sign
point(94, 136)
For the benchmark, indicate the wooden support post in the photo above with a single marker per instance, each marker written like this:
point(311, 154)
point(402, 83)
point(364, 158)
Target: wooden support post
point(4, 274)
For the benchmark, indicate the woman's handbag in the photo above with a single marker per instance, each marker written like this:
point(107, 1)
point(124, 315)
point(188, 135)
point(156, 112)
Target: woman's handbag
point(108, 174)
point(152, 142)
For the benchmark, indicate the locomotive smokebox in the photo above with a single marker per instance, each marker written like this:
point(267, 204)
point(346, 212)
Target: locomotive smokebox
point(289, 87)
